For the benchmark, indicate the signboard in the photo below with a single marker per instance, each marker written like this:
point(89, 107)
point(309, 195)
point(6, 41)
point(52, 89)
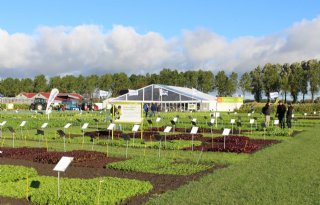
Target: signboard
point(167, 129)
point(212, 120)
point(276, 122)
point(251, 121)
point(232, 121)
point(85, 126)
point(230, 100)
point(23, 123)
point(194, 130)
point(217, 114)
point(111, 126)
point(175, 119)
point(3, 123)
point(274, 95)
point(158, 119)
point(63, 164)
point(127, 112)
point(9, 106)
point(44, 125)
point(192, 106)
point(67, 125)
point(135, 128)
point(226, 131)
point(194, 119)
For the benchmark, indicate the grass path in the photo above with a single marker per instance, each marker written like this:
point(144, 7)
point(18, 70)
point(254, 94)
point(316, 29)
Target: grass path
point(286, 173)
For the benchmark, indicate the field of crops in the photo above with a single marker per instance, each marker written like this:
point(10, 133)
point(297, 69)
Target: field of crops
point(125, 167)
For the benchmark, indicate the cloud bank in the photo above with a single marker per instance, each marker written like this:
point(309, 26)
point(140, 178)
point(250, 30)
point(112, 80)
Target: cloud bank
point(88, 49)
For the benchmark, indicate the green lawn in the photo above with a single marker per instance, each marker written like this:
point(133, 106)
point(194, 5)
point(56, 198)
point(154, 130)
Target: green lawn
point(286, 173)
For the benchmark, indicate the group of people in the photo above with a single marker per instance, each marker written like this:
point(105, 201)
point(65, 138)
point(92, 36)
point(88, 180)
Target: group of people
point(281, 113)
point(154, 108)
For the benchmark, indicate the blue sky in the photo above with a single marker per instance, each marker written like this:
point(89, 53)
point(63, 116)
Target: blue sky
point(230, 18)
point(59, 37)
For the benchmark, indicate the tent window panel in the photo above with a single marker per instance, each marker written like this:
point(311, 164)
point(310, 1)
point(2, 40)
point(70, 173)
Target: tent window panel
point(148, 93)
point(171, 97)
point(136, 97)
point(185, 98)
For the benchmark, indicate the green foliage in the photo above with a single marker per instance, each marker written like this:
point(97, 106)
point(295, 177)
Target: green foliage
point(43, 189)
point(158, 166)
point(10, 173)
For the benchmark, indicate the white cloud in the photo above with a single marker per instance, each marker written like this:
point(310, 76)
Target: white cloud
point(87, 49)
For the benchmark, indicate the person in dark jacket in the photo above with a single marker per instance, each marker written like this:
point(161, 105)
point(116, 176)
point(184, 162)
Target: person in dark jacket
point(289, 115)
point(153, 109)
point(266, 112)
point(281, 111)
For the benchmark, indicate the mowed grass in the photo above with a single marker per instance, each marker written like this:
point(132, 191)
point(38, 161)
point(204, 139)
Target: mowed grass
point(286, 173)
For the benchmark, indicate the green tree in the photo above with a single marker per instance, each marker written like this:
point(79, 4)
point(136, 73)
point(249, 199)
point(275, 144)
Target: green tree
point(285, 83)
point(295, 79)
point(105, 82)
point(205, 81)
point(138, 81)
point(55, 82)
point(271, 78)
point(245, 84)
point(221, 82)
point(305, 79)
point(232, 84)
point(120, 82)
point(26, 85)
point(257, 83)
point(40, 84)
point(10, 87)
point(313, 68)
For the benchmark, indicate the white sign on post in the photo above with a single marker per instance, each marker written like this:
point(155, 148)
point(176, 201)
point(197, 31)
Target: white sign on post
point(251, 121)
point(63, 164)
point(67, 125)
point(212, 120)
point(276, 122)
point(226, 131)
point(167, 129)
point(232, 121)
point(44, 125)
point(111, 126)
point(135, 128)
point(158, 119)
point(217, 114)
point(85, 126)
point(194, 119)
point(194, 130)
point(175, 119)
point(23, 123)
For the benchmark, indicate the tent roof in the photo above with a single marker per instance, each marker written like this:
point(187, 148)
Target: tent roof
point(175, 94)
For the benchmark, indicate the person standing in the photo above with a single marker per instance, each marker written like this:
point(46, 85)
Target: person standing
point(281, 111)
point(153, 109)
point(266, 112)
point(289, 115)
point(146, 109)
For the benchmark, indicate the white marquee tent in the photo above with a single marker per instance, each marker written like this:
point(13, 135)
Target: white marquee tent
point(170, 98)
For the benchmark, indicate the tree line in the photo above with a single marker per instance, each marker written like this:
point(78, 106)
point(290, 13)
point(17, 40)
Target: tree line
point(290, 79)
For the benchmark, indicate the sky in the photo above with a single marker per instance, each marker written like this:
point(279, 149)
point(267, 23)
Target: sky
point(73, 37)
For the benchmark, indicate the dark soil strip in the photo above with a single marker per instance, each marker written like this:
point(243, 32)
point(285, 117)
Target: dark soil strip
point(161, 183)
